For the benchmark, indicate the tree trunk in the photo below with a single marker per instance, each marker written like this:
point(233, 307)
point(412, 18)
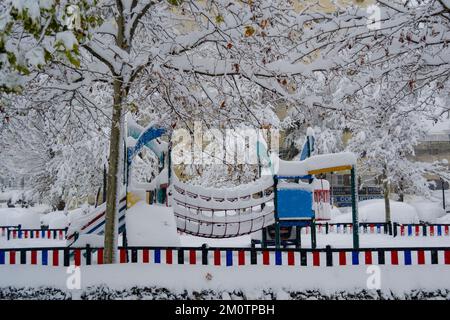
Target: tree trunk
point(386, 191)
point(114, 176)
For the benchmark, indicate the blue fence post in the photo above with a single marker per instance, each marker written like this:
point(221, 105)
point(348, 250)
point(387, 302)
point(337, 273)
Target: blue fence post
point(407, 254)
point(278, 260)
point(44, 257)
point(229, 258)
point(355, 257)
point(157, 256)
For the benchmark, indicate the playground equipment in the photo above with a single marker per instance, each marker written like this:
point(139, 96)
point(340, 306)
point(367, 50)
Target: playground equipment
point(289, 197)
point(223, 213)
point(294, 201)
point(94, 222)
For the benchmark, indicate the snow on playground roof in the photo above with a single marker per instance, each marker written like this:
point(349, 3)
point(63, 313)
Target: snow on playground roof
point(316, 164)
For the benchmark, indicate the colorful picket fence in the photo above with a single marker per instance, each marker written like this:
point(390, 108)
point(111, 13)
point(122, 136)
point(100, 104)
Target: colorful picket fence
point(347, 228)
point(18, 233)
point(4, 230)
point(395, 229)
point(326, 257)
point(421, 230)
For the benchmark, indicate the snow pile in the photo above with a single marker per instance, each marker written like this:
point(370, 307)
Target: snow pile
point(373, 211)
point(428, 211)
point(14, 195)
point(334, 212)
point(79, 216)
point(27, 218)
point(445, 219)
point(151, 225)
point(93, 240)
point(55, 220)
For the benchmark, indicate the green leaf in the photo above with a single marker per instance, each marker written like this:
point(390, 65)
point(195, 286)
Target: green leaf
point(175, 2)
point(73, 60)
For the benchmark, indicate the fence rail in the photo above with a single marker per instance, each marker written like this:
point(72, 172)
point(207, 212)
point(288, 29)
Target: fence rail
point(395, 229)
point(4, 229)
point(325, 257)
point(19, 233)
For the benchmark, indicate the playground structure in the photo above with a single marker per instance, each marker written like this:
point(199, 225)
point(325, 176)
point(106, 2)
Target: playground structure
point(290, 197)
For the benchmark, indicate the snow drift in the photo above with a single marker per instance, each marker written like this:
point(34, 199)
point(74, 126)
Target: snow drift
point(151, 225)
point(373, 211)
point(27, 218)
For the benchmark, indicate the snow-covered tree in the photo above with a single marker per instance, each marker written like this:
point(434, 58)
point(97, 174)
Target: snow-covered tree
point(384, 136)
point(216, 60)
point(62, 159)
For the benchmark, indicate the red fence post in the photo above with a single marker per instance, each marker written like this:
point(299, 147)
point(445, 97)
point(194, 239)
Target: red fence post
point(100, 256)
point(217, 257)
point(291, 260)
point(241, 257)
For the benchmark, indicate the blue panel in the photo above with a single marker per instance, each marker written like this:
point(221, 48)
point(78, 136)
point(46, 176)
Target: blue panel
point(42, 233)
point(439, 231)
point(278, 258)
point(410, 230)
point(407, 257)
point(157, 256)
point(44, 257)
point(299, 223)
point(355, 257)
point(2, 257)
point(229, 258)
point(19, 234)
point(294, 203)
point(307, 177)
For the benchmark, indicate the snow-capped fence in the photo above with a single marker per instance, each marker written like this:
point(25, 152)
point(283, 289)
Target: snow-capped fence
point(421, 229)
point(325, 257)
point(13, 233)
point(364, 227)
point(395, 229)
point(4, 230)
